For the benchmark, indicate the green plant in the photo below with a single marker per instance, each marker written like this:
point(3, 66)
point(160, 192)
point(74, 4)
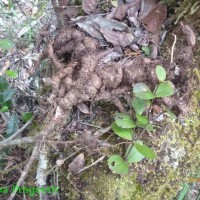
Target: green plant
point(6, 44)
point(6, 95)
point(125, 126)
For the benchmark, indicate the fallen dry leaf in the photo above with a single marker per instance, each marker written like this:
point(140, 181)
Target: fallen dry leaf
point(190, 35)
point(155, 18)
point(117, 38)
point(77, 164)
point(83, 108)
point(146, 7)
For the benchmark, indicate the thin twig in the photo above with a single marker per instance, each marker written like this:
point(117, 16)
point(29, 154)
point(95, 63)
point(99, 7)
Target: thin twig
point(26, 169)
point(18, 141)
point(94, 163)
point(19, 131)
point(172, 51)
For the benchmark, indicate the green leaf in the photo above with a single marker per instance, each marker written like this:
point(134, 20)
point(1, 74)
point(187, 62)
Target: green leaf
point(146, 50)
point(164, 89)
point(124, 121)
point(26, 116)
point(12, 125)
point(143, 122)
point(6, 44)
point(142, 91)
point(11, 73)
point(184, 191)
point(133, 155)
point(4, 109)
point(7, 94)
point(3, 84)
point(160, 72)
point(145, 150)
point(125, 133)
point(117, 164)
point(114, 3)
point(140, 105)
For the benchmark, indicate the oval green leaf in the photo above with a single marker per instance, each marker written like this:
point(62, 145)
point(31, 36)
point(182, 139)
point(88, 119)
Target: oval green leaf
point(140, 105)
point(124, 121)
point(6, 44)
point(165, 89)
point(145, 150)
point(117, 164)
point(133, 155)
point(7, 94)
point(142, 91)
point(160, 72)
point(124, 133)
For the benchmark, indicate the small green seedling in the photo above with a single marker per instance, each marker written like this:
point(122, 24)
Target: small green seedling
point(124, 125)
point(147, 50)
point(11, 73)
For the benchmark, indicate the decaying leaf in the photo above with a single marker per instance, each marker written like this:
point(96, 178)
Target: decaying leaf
point(83, 108)
point(90, 29)
point(190, 35)
point(117, 38)
point(146, 7)
point(89, 6)
point(77, 164)
point(109, 24)
point(154, 19)
point(121, 11)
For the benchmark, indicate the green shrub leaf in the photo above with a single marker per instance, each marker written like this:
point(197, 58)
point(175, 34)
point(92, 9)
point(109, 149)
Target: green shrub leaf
point(11, 73)
point(7, 94)
point(12, 125)
point(142, 91)
point(6, 44)
point(140, 105)
point(124, 121)
point(146, 50)
point(26, 116)
point(133, 155)
point(125, 133)
point(117, 164)
point(3, 84)
point(160, 72)
point(145, 150)
point(4, 109)
point(143, 122)
point(164, 89)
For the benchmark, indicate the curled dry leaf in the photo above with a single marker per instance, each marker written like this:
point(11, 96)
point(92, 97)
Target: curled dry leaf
point(83, 108)
point(77, 164)
point(154, 19)
point(89, 6)
point(190, 35)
